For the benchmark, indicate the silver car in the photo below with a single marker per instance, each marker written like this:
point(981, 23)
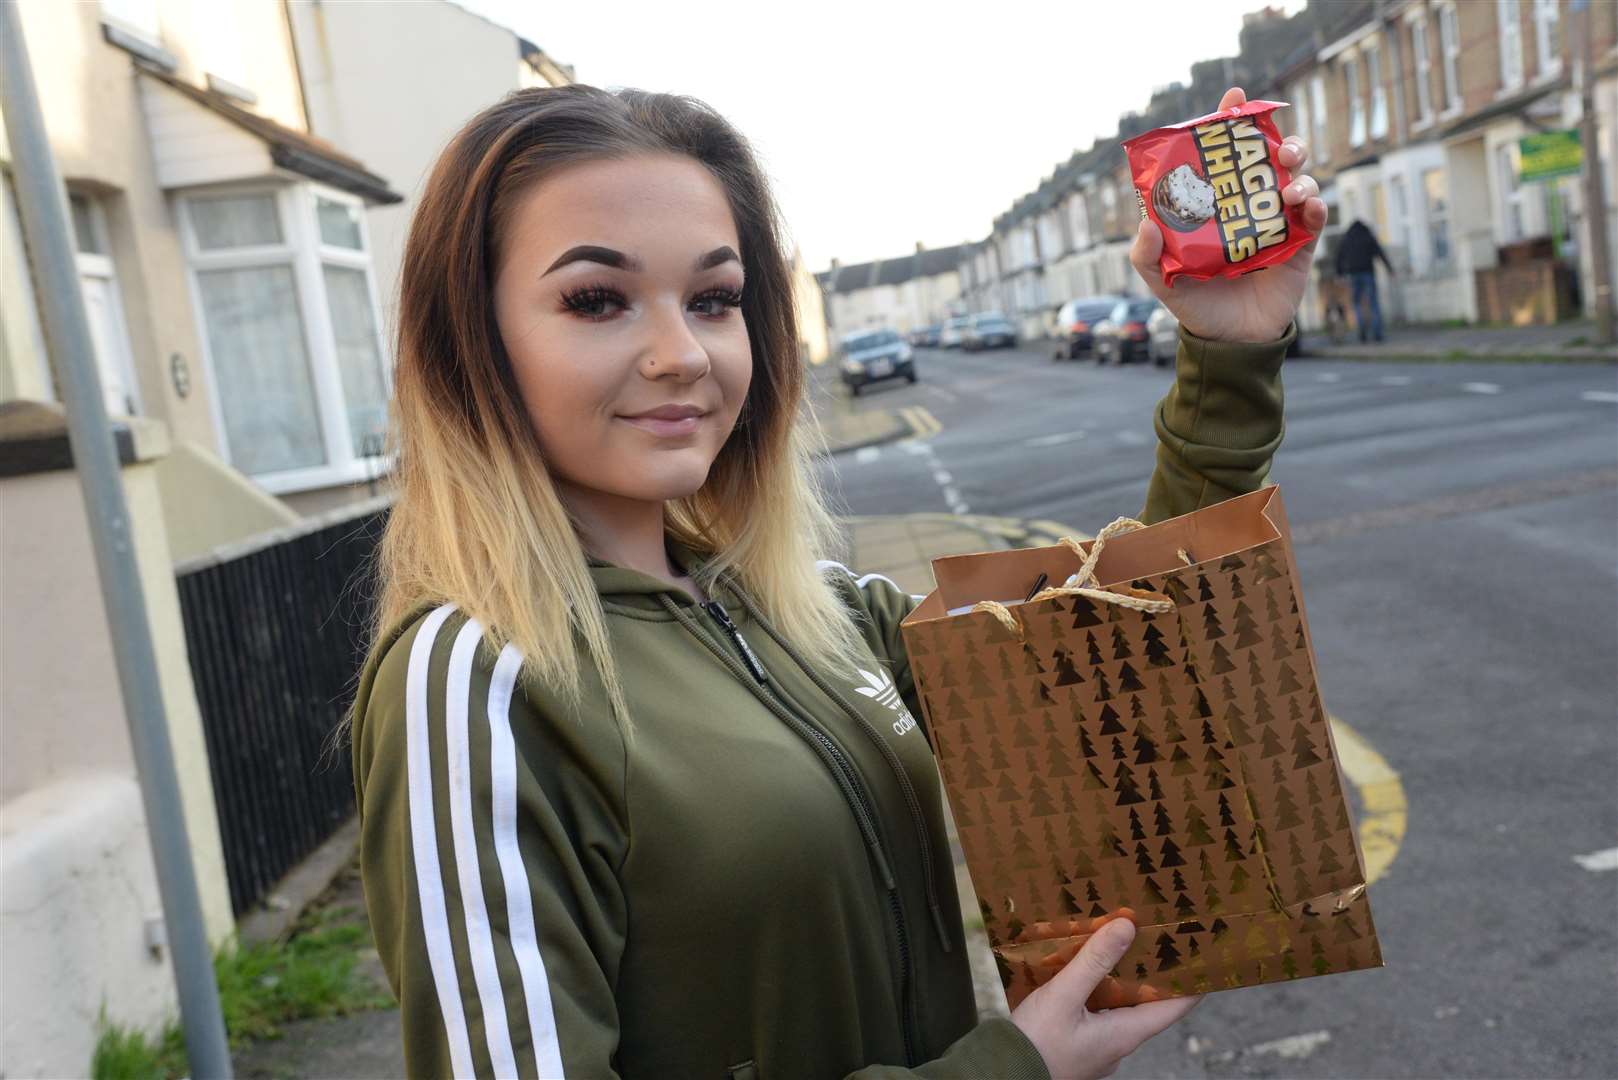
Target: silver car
point(870, 356)
point(987, 330)
point(1162, 337)
point(954, 332)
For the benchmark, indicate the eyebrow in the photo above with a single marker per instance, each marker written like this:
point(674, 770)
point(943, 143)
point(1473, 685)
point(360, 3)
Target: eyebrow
point(619, 261)
point(718, 256)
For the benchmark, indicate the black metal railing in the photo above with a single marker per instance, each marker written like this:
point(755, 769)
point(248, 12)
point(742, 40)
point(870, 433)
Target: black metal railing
point(276, 629)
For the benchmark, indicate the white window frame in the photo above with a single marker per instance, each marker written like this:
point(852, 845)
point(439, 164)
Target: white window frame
point(1379, 91)
point(1421, 51)
point(1400, 220)
point(98, 266)
point(137, 17)
point(1078, 220)
point(1050, 235)
point(1320, 150)
point(224, 51)
point(302, 250)
point(1356, 99)
point(1547, 32)
point(1513, 219)
point(1299, 93)
point(1449, 44)
point(1508, 21)
point(16, 255)
point(1436, 218)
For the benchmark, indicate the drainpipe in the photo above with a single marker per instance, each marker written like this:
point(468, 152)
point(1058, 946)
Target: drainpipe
point(1595, 188)
point(44, 213)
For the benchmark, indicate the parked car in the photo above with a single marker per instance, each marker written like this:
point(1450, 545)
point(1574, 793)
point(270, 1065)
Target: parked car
point(926, 337)
point(1121, 337)
point(988, 330)
point(1162, 336)
point(870, 356)
point(954, 330)
point(1075, 322)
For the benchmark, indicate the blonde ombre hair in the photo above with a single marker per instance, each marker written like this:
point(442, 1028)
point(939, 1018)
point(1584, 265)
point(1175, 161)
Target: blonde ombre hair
point(478, 521)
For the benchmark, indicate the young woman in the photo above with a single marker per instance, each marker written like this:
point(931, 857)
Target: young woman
point(622, 811)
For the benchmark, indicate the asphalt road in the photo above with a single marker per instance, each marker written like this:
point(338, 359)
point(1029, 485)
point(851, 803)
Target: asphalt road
point(1457, 531)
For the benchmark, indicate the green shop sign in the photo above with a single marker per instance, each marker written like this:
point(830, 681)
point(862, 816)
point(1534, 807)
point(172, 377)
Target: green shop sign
point(1550, 154)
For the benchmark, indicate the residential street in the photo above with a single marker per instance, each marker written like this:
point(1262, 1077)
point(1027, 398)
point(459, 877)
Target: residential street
point(1455, 528)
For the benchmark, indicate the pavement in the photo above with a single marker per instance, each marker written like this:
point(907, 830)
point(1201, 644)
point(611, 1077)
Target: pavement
point(1567, 341)
point(847, 428)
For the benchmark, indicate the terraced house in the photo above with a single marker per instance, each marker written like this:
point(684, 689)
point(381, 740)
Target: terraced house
point(903, 293)
point(1415, 110)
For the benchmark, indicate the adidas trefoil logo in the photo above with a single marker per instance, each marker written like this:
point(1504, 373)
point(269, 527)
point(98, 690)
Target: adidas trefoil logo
point(881, 690)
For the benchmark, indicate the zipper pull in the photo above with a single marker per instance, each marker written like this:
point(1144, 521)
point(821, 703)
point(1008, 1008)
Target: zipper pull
point(722, 617)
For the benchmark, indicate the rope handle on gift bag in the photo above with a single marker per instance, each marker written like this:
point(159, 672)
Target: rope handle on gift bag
point(1083, 582)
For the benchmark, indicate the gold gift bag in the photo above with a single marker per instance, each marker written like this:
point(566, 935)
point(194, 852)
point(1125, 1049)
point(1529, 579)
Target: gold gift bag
point(1154, 742)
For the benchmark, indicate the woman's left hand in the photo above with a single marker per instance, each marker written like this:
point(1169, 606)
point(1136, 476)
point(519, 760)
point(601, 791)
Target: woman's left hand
point(1256, 307)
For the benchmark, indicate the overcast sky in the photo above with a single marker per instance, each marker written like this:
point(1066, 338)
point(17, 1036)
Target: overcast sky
point(883, 124)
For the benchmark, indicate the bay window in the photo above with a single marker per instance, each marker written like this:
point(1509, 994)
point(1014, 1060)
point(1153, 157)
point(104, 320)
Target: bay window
point(282, 277)
point(1435, 190)
point(1511, 195)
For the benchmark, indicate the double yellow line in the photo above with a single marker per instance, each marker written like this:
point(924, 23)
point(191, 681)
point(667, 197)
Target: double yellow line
point(923, 424)
point(1382, 797)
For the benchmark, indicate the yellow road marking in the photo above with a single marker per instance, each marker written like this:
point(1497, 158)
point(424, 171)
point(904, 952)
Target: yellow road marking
point(923, 424)
point(1381, 794)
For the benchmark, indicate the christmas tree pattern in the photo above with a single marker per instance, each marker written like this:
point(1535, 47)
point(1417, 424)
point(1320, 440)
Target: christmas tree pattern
point(1066, 673)
point(1157, 653)
point(1178, 764)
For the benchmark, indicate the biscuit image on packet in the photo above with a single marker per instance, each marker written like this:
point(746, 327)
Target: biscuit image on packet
point(1213, 185)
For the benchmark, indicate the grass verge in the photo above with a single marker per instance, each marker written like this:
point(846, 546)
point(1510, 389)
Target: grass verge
point(261, 987)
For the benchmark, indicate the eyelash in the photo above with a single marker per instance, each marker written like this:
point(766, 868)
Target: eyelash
point(580, 300)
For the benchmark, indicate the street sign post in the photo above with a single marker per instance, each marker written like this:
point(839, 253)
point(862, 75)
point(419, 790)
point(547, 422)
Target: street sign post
point(43, 202)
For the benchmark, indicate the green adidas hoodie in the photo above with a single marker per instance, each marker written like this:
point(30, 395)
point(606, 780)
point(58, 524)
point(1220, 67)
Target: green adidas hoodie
point(755, 881)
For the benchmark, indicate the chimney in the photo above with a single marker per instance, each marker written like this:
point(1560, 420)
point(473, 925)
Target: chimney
point(920, 247)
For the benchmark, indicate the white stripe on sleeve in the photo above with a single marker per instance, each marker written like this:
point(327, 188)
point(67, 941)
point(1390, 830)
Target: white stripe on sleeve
point(826, 564)
point(424, 844)
point(479, 939)
point(519, 902)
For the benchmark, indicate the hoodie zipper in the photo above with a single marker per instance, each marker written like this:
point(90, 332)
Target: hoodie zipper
point(917, 821)
point(749, 657)
point(841, 769)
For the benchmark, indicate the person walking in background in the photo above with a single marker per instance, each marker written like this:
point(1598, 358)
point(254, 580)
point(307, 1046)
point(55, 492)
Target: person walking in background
point(1357, 252)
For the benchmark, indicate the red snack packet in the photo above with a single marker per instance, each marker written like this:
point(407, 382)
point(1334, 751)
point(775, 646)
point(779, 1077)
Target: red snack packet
point(1213, 185)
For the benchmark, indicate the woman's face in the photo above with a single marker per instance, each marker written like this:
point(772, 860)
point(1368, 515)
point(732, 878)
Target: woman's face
point(617, 298)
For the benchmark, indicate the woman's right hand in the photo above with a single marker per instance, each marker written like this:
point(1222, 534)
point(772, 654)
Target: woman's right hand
point(1078, 1044)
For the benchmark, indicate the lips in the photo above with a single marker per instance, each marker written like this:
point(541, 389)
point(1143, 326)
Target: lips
point(668, 421)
